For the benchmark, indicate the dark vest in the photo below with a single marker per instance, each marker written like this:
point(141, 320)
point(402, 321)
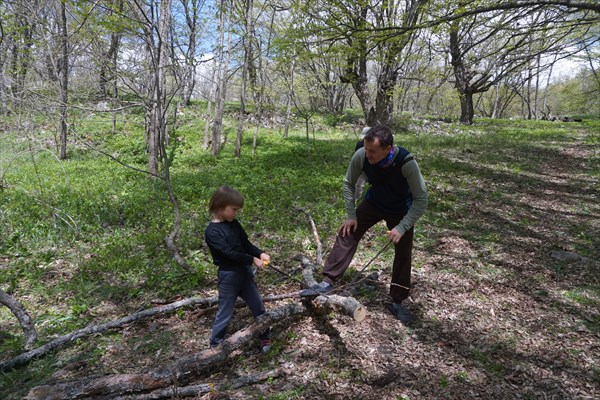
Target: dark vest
point(389, 190)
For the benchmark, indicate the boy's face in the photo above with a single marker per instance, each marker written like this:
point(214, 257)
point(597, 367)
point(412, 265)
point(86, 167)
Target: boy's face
point(229, 212)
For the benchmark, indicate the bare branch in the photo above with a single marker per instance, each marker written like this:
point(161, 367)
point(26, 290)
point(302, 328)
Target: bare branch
point(24, 319)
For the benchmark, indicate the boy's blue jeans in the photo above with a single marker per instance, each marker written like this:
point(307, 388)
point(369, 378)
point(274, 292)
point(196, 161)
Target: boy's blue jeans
point(232, 284)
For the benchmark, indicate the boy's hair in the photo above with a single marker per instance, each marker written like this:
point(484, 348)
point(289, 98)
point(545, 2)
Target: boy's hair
point(381, 132)
point(223, 197)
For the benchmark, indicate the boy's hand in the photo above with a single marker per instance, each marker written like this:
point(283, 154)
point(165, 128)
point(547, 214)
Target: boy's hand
point(258, 263)
point(266, 258)
point(263, 261)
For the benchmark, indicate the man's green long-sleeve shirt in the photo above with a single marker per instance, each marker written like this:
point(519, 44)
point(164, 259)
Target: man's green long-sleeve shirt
point(411, 173)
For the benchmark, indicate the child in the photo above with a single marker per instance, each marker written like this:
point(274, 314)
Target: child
point(233, 253)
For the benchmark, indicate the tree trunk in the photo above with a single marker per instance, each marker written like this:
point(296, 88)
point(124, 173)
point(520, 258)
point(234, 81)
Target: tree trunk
point(217, 128)
point(158, 104)
point(537, 88)
point(189, 78)
point(384, 97)
point(496, 101)
point(290, 96)
point(62, 341)
point(545, 99)
point(21, 58)
point(108, 64)
point(466, 108)
point(64, 82)
point(461, 77)
point(3, 103)
point(247, 55)
point(347, 305)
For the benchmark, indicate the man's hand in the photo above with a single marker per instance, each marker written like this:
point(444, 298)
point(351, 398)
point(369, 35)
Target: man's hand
point(348, 227)
point(394, 235)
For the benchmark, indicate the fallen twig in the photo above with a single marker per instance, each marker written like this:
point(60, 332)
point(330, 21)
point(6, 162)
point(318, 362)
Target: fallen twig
point(315, 234)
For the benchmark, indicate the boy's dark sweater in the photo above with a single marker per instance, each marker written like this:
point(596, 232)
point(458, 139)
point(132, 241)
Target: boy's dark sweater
point(229, 245)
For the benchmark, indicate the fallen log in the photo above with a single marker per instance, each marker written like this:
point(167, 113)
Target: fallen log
point(346, 305)
point(203, 388)
point(308, 271)
point(181, 372)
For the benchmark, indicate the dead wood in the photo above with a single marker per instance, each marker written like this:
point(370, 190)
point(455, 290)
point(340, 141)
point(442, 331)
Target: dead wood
point(315, 234)
point(65, 340)
point(308, 271)
point(62, 341)
point(181, 372)
point(203, 388)
point(177, 375)
point(346, 305)
point(22, 316)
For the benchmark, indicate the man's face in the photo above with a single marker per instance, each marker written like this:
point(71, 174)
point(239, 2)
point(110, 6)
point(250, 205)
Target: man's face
point(375, 152)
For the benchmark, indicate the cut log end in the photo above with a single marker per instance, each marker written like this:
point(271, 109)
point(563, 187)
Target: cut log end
point(360, 314)
point(346, 305)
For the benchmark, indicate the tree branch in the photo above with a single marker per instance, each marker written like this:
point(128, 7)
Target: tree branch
point(22, 316)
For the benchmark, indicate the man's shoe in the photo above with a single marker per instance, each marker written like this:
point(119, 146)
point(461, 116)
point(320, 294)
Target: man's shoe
point(323, 287)
point(315, 290)
point(401, 313)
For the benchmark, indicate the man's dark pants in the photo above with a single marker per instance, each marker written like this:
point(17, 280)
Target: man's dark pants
point(343, 251)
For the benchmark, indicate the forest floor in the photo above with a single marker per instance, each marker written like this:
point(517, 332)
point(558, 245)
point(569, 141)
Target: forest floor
point(505, 290)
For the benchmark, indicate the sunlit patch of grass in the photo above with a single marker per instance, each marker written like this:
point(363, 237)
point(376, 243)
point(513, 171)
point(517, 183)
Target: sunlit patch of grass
point(584, 295)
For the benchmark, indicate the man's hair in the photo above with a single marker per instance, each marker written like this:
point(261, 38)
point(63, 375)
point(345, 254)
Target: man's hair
point(223, 197)
point(382, 133)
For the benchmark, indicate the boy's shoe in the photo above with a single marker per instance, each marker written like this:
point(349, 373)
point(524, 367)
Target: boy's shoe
point(400, 312)
point(265, 345)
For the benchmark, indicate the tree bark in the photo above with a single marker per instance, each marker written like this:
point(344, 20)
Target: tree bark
point(189, 78)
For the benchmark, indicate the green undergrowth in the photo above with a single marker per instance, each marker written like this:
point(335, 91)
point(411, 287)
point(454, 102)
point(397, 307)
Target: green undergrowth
point(88, 231)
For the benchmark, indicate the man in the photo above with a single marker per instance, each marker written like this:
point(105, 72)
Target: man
point(397, 195)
